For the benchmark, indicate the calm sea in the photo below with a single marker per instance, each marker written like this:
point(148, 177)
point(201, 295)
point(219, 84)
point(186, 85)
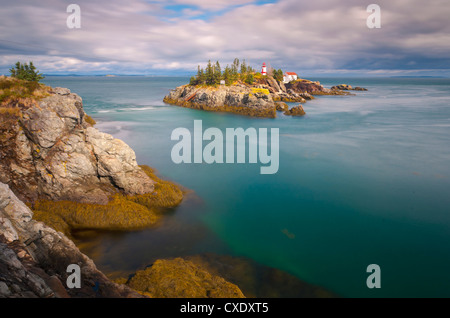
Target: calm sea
point(363, 180)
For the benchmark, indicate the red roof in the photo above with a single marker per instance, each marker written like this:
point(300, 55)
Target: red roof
point(291, 73)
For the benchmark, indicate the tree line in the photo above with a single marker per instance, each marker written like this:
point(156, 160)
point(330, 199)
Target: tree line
point(213, 74)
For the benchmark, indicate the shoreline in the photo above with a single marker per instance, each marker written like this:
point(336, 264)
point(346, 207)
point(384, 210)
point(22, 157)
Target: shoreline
point(65, 211)
point(263, 99)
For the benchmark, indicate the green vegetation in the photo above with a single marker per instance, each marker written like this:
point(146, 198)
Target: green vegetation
point(14, 91)
point(212, 75)
point(15, 96)
point(26, 72)
point(278, 75)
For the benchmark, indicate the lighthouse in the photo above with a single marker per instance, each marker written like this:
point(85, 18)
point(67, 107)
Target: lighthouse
point(264, 70)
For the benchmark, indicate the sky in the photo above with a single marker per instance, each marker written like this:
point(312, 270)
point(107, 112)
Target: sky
point(155, 37)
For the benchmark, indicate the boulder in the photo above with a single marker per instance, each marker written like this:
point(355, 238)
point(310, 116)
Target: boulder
point(296, 111)
point(282, 106)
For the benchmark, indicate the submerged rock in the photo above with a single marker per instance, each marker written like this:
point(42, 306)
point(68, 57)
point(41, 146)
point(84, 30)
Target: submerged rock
point(256, 280)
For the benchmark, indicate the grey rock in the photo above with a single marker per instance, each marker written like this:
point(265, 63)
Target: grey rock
point(4, 289)
point(61, 91)
point(35, 263)
point(57, 156)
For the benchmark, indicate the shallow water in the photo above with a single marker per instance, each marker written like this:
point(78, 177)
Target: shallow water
point(363, 180)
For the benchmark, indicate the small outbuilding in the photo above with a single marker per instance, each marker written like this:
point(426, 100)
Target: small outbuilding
point(289, 77)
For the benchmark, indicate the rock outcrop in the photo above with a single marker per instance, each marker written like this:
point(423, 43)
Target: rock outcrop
point(180, 278)
point(74, 176)
point(282, 106)
point(346, 87)
point(50, 152)
point(296, 111)
point(239, 99)
point(34, 258)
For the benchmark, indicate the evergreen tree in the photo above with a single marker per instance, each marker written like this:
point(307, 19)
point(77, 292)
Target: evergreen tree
point(235, 70)
point(209, 74)
point(200, 76)
point(26, 72)
point(243, 70)
point(217, 73)
point(249, 79)
point(227, 75)
point(278, 75)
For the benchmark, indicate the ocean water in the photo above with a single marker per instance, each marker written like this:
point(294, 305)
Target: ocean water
point(362, 180)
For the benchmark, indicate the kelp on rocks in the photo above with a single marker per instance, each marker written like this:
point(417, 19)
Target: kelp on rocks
point(121, 213)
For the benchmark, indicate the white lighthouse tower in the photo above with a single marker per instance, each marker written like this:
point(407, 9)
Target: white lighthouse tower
point(264, 70)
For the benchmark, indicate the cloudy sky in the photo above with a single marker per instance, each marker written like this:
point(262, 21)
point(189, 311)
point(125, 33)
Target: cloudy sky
point(319, 37)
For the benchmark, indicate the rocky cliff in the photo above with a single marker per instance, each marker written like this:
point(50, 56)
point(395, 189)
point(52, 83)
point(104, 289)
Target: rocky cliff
point(49, 151)
point(34, 258)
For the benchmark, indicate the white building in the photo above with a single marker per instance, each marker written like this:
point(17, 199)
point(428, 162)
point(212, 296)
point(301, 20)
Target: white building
point(289, 77)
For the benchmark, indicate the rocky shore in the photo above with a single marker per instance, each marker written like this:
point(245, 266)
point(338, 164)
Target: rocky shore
point(73, 177)
point(59, 174)
point(262, 99)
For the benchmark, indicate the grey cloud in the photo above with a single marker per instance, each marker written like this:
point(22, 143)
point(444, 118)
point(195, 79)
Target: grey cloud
point(303, 36)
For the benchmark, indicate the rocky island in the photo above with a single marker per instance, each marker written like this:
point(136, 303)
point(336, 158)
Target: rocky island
point(248, 93)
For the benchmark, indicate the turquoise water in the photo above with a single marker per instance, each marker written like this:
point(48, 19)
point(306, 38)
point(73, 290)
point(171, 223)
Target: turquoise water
point(363, 180)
